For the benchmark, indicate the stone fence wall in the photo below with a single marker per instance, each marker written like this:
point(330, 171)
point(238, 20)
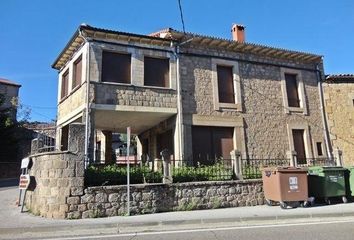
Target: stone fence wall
point(108, 201)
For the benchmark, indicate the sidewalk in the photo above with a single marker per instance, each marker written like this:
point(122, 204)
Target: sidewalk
point(18, 223)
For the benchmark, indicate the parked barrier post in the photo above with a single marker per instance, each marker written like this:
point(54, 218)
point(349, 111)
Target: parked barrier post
point(338, 156)
point(292, 155)
point(166, 161)
point(236, 164)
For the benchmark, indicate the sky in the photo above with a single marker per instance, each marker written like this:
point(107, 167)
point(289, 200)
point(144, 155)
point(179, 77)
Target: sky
point(33, 33)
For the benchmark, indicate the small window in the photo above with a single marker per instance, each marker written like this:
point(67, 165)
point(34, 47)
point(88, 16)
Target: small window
point(225, 84)
point(353, 102)
point(116, 67)
point(77, 72)
point(64, 84)
point(64, 138)
point(319, 148)
point(156, 72)
point(292, 90)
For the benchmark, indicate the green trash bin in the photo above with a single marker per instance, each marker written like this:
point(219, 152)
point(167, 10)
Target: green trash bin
point(326, 183)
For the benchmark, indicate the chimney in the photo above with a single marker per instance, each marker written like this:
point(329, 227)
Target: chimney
point(238, 33)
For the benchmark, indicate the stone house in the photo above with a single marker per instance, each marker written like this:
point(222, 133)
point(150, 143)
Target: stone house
point(198, 96)
point(10, 91)
point(339, 103)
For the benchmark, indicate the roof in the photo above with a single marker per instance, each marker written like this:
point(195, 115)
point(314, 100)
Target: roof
point(164, 38)
point(337, 78)
point(8, 82)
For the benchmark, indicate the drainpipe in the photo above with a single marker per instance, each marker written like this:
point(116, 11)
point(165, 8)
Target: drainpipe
point(87, 109)
point(176, 52)
point(323, 112)
point(179, 104)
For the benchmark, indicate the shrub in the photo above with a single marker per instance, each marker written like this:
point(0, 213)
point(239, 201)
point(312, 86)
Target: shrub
point(117, 175)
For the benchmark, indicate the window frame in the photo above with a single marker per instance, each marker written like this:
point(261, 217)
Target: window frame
point(169, 71)
point(77, 82)
point(236, 85)
point(64, 91)
point(300, 90)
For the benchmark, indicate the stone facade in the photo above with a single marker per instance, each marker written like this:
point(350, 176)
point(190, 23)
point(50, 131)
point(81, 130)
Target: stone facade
point(339, 105)
point(111, 200)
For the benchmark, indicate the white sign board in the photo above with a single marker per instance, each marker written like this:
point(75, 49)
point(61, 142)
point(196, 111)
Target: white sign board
point(25, 162)
point(293, 185)
point(24, 181)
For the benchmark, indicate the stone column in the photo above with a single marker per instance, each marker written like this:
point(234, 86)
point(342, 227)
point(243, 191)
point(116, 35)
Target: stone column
point(338, 157)
point(108, 147)
point(236, 163)
point(166, 161)
point(292, 156)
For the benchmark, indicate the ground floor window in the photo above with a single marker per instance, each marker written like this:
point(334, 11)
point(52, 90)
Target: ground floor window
point(211, 143)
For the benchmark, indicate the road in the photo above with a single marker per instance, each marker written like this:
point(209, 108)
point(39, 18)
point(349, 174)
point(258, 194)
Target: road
point(330, 230)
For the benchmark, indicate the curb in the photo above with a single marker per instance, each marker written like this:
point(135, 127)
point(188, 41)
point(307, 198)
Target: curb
point(148, 226)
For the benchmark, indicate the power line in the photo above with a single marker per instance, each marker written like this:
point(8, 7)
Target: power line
point(181, 12)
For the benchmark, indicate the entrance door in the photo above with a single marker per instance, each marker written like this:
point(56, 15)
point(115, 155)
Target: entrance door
point(299, 145)
point(165, 141)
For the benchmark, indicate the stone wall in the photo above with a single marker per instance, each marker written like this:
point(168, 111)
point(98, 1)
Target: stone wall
point(339, 107)
point(56, 177)
point(106, 93)
point(111, 200)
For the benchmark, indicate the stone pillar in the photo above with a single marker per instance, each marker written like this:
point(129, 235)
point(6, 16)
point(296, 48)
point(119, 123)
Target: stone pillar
point(166, 162)
point(291, 155)
point(108, 147)
point(236, 163)
point(338, 157)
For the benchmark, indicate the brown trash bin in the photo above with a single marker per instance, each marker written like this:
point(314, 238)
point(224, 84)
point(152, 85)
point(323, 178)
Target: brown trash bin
point(286, 185)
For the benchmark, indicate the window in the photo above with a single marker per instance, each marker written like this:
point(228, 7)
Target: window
point(210, 143)
point(116, 67)
point(292, 90)
point(156, 72)
point(225, 84)
point(299, 145)
point(319, 149)
point(77, 72)
point(64, 84)
point(64, 138)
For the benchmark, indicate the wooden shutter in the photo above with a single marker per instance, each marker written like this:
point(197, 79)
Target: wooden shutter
point(225, 84)
point(223, 142)
point(299, 145)
point(156, 72)
point(77, 72)
point(292, 90)
point(64, 84)
point(116, 67)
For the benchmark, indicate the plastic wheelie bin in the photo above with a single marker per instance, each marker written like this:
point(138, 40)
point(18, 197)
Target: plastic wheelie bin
point(286, 185)
point(327, 182)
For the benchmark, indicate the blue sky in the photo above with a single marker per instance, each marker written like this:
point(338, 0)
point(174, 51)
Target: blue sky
point(32, 33)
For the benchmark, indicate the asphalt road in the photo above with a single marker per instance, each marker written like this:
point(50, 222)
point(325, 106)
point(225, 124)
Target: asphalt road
point(330, 230)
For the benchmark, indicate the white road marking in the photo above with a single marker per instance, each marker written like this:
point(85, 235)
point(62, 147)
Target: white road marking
point(200, 230)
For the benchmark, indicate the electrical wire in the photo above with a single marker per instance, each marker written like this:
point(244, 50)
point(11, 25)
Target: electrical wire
point(181, 13)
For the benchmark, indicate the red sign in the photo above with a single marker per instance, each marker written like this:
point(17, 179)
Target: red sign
point(24, 181)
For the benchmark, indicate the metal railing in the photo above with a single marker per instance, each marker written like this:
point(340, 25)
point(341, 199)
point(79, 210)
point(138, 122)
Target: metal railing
point(191, 171)
point(252, 168)
point(308, 162)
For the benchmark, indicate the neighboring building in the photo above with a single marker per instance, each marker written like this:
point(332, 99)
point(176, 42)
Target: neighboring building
point(10, 91)
point(339, 103)
point(196, 95)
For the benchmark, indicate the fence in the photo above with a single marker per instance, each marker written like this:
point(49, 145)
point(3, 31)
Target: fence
point(252, 168)
point(308, 162)
point(44, 140)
